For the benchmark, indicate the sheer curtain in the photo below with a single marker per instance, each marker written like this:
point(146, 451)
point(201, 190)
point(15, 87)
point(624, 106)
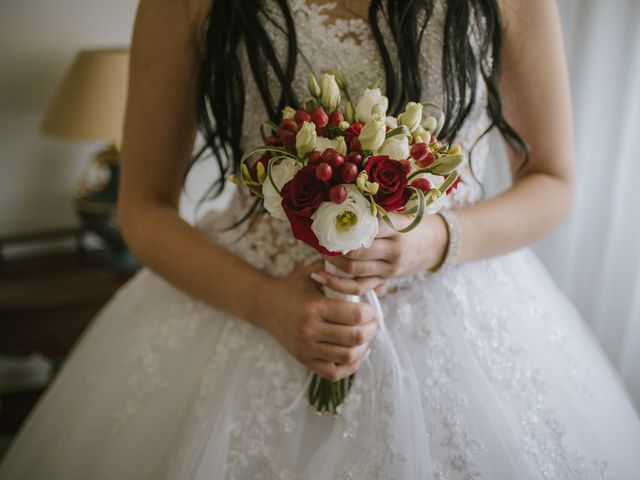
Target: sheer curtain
point(595, 256)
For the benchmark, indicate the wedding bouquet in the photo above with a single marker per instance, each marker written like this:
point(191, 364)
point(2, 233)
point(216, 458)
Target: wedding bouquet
point(332, 172)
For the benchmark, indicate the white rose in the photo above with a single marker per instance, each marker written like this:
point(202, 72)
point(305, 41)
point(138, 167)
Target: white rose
point(306, 139)
point(396, 147)
point(330, 97)
point(372, 102)
point(411, 116)
point(346, 226)
point(373, 134)
point(281, 173)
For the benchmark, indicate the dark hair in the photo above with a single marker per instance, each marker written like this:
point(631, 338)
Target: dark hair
point(220, 97)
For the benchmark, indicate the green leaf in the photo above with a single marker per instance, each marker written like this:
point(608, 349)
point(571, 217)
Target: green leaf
point(417, 219)
point(448, 182)
point(401, 130)
point(447, 164)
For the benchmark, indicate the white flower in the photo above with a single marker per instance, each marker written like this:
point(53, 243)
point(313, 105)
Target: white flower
point(346, 226)
point(372, 102)
point(396, 147)
point(330, 97)
point(373, 134)
point(281, 173)
point(411, 116)
point(322, 143)
point(341, 145)
point(430, 123)
point(391, 122)
point(288, 113)
point(306, 139)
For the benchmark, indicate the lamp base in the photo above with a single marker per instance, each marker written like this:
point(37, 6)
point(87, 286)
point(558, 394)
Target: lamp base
point(96, 206)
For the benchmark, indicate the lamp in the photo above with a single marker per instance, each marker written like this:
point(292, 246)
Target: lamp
point(89, 105)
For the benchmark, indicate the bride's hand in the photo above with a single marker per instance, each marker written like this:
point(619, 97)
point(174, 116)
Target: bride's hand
point(330, 337)
point(391, 255)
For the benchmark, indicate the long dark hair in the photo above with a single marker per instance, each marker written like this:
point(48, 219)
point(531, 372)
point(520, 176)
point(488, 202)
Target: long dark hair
point(221, 101)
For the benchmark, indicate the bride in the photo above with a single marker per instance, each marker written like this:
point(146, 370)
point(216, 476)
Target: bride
point(197, 368)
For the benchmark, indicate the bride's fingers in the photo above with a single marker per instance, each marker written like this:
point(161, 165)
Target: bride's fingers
point(346, 335)
point(362, 268)
point(348, 286)
point(380, 249)
point(338, 353)
point(334, 372)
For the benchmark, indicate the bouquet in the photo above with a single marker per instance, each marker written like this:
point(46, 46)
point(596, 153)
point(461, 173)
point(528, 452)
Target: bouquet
point(333, 172)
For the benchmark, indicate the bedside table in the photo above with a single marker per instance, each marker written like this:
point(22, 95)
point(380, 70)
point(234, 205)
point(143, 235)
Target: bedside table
point(46, 302)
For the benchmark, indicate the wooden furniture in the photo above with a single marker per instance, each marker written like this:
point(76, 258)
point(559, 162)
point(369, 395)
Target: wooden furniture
point(46, 302)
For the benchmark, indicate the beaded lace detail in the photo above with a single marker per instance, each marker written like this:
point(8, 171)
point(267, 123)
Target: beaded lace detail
point(267, 243)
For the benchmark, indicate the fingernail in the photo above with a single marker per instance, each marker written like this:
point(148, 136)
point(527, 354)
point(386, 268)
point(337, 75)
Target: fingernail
point(321, 280)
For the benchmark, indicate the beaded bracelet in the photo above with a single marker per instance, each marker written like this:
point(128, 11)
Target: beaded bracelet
point(453, 244)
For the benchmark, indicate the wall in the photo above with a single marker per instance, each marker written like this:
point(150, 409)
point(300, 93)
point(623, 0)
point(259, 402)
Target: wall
point(39, 40)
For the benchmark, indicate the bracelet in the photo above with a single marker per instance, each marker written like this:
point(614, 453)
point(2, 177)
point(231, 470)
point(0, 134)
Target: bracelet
point(453, 244)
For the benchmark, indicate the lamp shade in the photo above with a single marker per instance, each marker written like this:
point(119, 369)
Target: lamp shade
point(91, 100)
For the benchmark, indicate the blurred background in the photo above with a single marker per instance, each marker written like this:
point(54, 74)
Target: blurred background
point(60, 262)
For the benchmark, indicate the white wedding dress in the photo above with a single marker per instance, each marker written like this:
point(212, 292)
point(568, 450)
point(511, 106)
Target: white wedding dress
point(486, 371)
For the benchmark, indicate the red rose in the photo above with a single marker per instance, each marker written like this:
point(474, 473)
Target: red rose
point(352, 132)
point(392, 177)
point(301, 197)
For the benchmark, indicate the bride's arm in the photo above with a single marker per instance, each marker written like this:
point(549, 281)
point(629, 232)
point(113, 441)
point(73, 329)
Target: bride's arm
point(159, 133)
point(535, 95)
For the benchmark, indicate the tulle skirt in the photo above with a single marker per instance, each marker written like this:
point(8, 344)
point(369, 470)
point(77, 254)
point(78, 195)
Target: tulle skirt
point(485, 371)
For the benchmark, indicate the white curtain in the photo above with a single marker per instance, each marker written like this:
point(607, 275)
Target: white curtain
point(595, 255)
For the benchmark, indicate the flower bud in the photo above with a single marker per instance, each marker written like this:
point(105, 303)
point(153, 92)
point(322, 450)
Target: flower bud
point(373, 134)
point(341, 145)
point(349, 113)
point(371, 103)
point(343, 125)
point(420, 135)
point(330, 96)
point(430, 123)
point(288, 113)
point(306, 139)
point(411, 116)
point(314, 88)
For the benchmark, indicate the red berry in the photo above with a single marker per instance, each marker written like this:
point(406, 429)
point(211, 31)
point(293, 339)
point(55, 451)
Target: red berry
point(338, 193)
point(335, 118)
point(419, 151)
point(272, 140)
point(427, 161)
point(319, 117)
point(289, 124)
point(324, 172)
point(335, 159)
point(327, 152)
point(287, 138)
point(315, 157)
point(355, 146)
point(433, 139)
point(302, 116)
point(421, 184)
point(349, 172)
point(354, 157)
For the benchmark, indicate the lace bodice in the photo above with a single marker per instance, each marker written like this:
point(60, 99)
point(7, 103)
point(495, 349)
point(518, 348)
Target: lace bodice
point(325, 43)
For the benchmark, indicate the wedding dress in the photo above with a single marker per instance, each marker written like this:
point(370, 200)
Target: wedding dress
point(486, 372)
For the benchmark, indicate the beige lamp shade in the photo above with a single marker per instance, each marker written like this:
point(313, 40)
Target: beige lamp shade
point(90, 102)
